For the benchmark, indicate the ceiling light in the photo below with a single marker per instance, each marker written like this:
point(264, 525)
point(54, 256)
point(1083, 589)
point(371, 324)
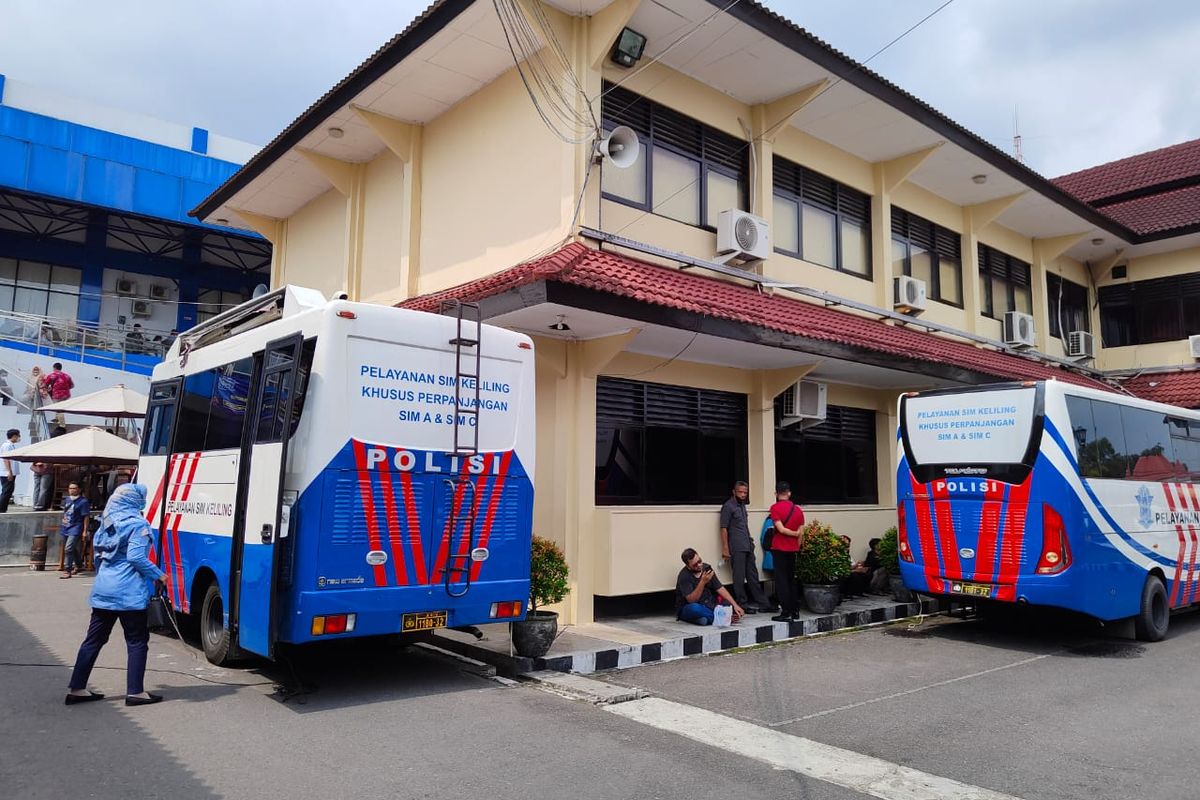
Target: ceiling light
point(629, 48)
point(1097, 241)
point(981, 179)
point(335, 133)
point(561, 324)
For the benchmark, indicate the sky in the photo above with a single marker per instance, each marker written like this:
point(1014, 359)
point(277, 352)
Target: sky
point(1090, 81)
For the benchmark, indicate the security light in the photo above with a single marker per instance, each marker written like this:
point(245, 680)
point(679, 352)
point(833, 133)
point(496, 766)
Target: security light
point(629, 48)
point(561, 324)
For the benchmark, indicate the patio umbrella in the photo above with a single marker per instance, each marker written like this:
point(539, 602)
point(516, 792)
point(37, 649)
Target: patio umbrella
point(84, 446)
point(115, 402)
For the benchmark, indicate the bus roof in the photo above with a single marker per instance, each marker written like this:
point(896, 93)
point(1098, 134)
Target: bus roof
point(1063, 388)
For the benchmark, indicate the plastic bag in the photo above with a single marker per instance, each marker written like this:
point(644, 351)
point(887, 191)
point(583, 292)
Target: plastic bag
point(722, 616)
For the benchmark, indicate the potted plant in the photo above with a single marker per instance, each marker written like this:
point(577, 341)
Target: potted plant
point(889, 558)
point(533, 636)
point(823, 560)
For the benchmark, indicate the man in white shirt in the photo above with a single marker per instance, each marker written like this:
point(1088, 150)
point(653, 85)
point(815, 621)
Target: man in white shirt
point(9, 469)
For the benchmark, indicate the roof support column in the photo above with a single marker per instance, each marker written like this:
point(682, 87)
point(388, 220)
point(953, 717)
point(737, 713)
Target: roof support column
point(888, 176)
point(1045, 253)
point(350, 180)
point(975, 219)
point(274, 231)
point(765, 386)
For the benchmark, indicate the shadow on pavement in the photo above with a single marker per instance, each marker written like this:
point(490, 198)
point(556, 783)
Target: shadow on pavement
point(51, 750)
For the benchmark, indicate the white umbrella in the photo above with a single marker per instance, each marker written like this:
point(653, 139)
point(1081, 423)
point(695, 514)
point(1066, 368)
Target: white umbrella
point(114, 402)
point(84, 446)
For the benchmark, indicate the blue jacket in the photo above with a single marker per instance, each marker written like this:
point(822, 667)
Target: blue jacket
point(122, 547)
point(75, 511)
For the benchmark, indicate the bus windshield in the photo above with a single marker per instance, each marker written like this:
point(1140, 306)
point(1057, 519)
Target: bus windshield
point(970, 432)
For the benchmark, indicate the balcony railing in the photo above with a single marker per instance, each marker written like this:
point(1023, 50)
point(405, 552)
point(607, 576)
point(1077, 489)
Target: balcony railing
point(67, 340)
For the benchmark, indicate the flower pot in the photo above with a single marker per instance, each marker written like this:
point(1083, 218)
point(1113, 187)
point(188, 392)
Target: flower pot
point(899, 593)
point(822, 598)
point(533, 636)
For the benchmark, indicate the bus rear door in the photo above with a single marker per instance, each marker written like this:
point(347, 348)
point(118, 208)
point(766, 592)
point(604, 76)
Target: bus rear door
point(265, 516)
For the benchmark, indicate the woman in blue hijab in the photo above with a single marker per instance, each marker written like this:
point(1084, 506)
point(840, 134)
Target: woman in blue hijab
point(122, 591)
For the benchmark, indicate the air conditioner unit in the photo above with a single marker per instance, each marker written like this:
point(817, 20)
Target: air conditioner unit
point(1194, 346)
point(1080, 344)
point(126, 287)
point(743, 236)
point(1019, 330)
point(909, 295)
point(804, 403)
point(160, 292)
point(142, 308)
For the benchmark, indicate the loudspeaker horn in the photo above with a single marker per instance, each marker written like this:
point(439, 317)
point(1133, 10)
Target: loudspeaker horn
point(620, 148)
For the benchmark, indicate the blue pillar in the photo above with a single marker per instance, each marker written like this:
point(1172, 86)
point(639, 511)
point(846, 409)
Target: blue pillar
point(92, 285)
point(189, 287)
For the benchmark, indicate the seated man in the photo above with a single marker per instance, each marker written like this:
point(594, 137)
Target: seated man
point(855, 584)
point(697, 589)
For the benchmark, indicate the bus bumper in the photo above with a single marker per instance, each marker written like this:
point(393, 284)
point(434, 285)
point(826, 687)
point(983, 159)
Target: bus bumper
point(1058, 591)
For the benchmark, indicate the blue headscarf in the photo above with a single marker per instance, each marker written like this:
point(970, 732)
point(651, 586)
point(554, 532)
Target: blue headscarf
point(122, 516)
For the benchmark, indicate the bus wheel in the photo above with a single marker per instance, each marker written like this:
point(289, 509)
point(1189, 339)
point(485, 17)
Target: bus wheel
point(213, 634)
point(1151, 622)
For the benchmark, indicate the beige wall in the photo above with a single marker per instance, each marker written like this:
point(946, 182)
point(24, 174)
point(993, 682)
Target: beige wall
point(316, 245)
point(383, 211)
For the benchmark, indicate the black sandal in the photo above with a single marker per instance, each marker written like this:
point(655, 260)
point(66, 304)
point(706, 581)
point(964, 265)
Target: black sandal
point(72, 699)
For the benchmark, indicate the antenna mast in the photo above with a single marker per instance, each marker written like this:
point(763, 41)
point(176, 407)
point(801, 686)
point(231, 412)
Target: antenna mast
point(1017, 154)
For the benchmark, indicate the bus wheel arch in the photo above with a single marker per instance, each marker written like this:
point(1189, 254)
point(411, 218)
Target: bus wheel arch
point(1154, 615)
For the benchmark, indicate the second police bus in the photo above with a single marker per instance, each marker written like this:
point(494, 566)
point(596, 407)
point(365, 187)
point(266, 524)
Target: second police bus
point(1051, 494)
point(321, 469)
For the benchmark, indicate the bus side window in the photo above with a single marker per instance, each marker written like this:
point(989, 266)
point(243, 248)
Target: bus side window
point(1186, 438)
point(1111, 454)
point(275, 397)
point(159, 421)
point(1079, 411)
point(1148, 442)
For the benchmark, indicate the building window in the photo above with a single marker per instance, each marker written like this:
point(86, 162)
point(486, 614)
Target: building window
point(830, 463)
point(213, 301)
point(1144, 312)
point(930, 252)
point(1004, 283)
point(46, 290)
point(685, 170)
point(1068, 306)
point(667, 444)
point(820, 220)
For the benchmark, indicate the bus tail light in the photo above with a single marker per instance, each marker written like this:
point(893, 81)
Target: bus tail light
point(902, 535)
point(1056, 552)
point(506, 610)
point(333, 623)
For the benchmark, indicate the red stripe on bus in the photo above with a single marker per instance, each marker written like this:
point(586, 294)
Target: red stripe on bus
point(493, 503)
point(397, 543)
point(1176, 584)
point(177, 584)
point(926, 546)
point(152, 511)
point(164, 531)
point(989, 526)
point(945, 523)
point(1016, 517)
point(364, 486)
point(412, 524)
point(1189, 589)
point(444, 547)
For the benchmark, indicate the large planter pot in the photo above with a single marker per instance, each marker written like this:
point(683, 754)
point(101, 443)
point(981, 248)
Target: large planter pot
point(533, 636)
point(822, 598)
point(899, 593)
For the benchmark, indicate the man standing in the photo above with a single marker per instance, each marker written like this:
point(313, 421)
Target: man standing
point(75, 513)
point(788, 519)
point(58, 384)
point(738, 548)
point(43, 485)
point(697, 590)
point(9, 469)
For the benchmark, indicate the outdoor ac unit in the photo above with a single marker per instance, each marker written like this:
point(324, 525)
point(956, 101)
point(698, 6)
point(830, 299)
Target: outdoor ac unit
point(126, 287)
point(1019, 330)
point(804, 403)
point(909, 297)
point(743, 236)
point(142, 308)
point(159, 292)
point(1194, 346)
point(1080, 345)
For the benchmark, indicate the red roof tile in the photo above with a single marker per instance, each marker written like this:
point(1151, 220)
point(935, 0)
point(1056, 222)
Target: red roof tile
point(1177, 388)
point(1135, 173)
point(620, 275)
point(1158, 212)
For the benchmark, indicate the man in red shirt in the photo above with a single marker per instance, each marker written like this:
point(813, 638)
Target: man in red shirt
point(789, 519)
point(58, 384)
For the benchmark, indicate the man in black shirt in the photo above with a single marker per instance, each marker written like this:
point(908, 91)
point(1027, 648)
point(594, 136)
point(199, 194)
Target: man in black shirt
point(697, 589)
point(738, 548)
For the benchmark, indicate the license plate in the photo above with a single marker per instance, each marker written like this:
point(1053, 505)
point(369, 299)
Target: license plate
point(423, 621)
point(972, 589)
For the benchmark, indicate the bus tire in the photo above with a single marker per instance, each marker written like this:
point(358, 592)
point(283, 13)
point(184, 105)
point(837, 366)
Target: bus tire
point(1151, 623)
point(214, 636)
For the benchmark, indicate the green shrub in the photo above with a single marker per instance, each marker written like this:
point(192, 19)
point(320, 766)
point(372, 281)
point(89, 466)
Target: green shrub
point(889, 551)
point(823, 557)
point(547, 574)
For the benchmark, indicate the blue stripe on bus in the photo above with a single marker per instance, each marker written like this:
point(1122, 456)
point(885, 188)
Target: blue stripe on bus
point(1135, 544)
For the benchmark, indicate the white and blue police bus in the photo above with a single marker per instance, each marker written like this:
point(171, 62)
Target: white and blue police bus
point(321, 469)
point(1051, 494)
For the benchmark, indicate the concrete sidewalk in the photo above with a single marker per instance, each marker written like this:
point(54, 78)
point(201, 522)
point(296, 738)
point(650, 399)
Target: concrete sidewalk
point(632, 641)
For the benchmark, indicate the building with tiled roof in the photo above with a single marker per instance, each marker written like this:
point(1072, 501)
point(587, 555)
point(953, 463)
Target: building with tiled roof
point(895, 251)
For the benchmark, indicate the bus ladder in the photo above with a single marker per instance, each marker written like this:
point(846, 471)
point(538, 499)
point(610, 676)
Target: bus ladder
point(466, 442)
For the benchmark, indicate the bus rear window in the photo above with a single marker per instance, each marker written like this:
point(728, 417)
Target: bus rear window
point(988, 428)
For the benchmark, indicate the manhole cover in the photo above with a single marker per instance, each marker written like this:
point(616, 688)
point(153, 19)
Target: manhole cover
point(1108, 650)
